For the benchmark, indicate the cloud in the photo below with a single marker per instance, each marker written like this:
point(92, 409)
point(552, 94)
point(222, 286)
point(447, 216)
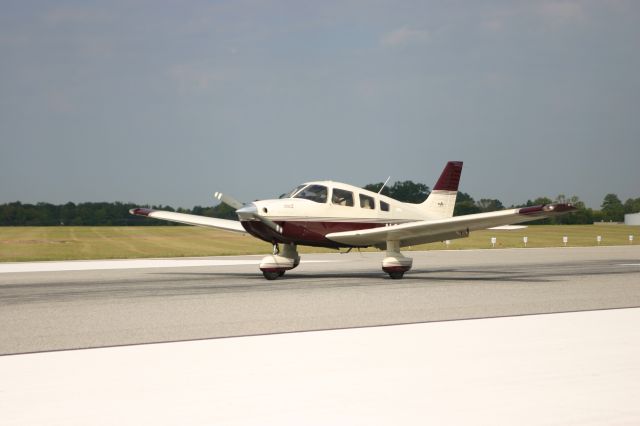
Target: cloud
point(404, 36)
point(498, 19)
point(68, 15)
point(562, 11)
point(59, 102)
point(553, 13)
point(193, 79)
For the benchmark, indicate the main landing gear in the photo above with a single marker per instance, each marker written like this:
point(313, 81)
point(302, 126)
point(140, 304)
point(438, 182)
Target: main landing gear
point(276, 264)
point(395, 264)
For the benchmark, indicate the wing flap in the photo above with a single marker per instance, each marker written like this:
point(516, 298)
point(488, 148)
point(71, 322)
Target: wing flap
point(428, 231)
point(190, 219)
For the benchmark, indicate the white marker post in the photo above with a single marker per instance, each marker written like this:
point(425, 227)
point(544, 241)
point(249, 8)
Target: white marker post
point(447, 242)
point(565, 240)
point(525, 240)
point(630, 239)
point(599, 239)
point(494, 240)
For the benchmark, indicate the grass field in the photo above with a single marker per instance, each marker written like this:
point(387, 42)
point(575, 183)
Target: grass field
point(71, 242)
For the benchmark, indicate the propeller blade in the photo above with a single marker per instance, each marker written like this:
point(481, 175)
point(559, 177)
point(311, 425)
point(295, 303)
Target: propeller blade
point(223, 198)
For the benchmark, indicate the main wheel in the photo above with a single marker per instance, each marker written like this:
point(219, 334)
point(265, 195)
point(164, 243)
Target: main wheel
point(281, 273)
point(396, 275)
point(272, 275)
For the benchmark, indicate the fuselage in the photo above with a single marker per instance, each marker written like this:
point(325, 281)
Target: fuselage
point(308, 213)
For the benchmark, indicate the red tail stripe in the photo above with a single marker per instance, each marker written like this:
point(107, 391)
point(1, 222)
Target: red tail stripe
point(450, 177)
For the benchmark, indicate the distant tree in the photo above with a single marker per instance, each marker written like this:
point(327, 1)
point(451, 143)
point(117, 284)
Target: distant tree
point(612, 208)
point(224, 211)
point(375, 187)
point(221, 211)
point(465, 204)
point(632, 205)
point(67, 213)
point(409, 192)
point(406, 191)
point(539, 201)
point(489, 205)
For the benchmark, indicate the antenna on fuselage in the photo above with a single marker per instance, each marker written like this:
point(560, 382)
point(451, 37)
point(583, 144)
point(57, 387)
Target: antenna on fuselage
point(384, 184)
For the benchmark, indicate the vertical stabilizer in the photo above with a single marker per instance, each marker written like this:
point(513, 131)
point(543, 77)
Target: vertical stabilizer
point(442, 200)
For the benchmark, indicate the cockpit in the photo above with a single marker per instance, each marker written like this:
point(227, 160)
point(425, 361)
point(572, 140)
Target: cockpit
point(312, 192)
point(340, 197)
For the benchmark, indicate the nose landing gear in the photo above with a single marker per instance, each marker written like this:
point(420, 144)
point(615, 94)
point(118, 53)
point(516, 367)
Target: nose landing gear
point(276, 264)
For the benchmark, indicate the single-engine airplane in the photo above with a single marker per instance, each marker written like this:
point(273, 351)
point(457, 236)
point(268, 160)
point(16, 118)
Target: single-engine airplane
point(337, 215)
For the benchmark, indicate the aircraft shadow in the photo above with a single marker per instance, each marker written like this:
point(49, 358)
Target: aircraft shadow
point(427, 276)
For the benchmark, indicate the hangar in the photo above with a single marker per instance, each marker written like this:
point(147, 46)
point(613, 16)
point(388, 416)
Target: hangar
point(632, 219)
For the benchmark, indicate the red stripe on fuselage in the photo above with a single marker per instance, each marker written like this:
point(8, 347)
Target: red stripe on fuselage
point(305, 233)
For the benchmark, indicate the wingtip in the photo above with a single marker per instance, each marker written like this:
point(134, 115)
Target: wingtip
point(547, 209)
point(139, 211)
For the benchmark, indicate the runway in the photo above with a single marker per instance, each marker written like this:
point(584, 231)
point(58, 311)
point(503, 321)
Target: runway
point(55, 309)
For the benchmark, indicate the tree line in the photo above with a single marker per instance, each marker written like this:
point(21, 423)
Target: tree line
point(94, 214)
point(117, 213)
point(612, 208)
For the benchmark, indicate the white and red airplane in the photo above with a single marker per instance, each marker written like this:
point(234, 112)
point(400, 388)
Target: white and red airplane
point(337, 215)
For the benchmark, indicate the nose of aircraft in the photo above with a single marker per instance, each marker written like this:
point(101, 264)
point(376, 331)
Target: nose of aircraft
point(247, 212)
point(250, 212)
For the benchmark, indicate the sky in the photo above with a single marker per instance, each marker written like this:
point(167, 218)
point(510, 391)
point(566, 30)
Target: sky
point(166, 102)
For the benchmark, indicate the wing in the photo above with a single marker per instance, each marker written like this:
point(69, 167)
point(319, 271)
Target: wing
point(428, 231)
point(190, 219)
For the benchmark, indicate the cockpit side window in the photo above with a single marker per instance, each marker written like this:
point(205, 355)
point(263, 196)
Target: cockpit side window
point(317, 193)
point(366, 202)
point(384, 206)
point(342, 197)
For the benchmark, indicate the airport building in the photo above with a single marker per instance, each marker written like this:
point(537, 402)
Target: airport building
point(632, 219)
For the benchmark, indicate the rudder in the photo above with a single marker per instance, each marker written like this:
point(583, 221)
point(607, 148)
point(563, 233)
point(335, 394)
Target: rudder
point(442, 200)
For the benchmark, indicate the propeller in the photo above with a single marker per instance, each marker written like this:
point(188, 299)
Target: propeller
point(252, 211)
point(224, 198)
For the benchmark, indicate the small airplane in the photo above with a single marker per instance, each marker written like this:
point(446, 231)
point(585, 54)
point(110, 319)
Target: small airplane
point(337, 215)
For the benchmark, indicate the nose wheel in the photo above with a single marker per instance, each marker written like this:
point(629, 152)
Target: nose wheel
point(272, 275)
point(275, 265)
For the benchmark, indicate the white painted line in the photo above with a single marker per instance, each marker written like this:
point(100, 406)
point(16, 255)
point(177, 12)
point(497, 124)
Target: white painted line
point(567, 369)
point(629, 264)
point(93, 265)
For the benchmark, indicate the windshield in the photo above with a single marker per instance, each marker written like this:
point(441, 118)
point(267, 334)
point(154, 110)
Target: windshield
point(292, 192)
point(317, 193)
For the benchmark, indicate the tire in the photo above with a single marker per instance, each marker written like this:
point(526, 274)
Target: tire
point(271, 275)
point(396, 275)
